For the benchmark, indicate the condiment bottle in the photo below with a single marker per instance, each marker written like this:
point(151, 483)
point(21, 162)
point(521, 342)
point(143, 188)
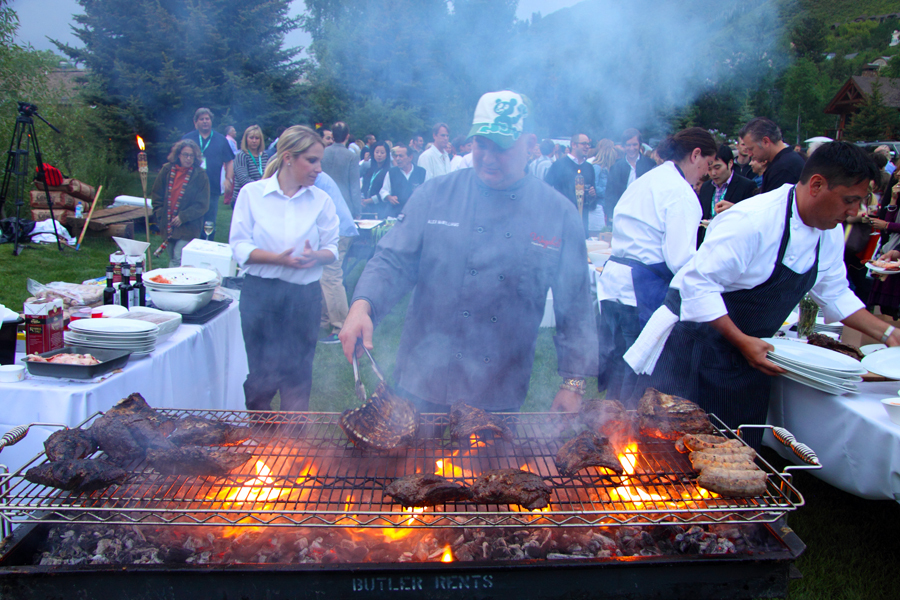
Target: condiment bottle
point(109, 292)
point(138, 291)
point(125, 287)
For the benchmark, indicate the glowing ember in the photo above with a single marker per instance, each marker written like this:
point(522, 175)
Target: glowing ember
point(447, 556)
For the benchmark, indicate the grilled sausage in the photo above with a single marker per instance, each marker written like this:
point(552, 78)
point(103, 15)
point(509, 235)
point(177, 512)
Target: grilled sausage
point(733, 483)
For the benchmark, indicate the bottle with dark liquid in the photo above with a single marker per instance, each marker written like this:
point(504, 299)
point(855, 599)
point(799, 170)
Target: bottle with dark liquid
point(138, 291)
point(125, 286)
point(109, 292)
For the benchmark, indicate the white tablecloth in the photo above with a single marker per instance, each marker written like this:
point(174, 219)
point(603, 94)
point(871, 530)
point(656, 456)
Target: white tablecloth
point(200, 366)
point(858, 445)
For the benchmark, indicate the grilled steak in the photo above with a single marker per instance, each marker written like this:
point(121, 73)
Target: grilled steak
point(426, 490)
point(466, 420)
point(670, 417)
point(607, 417)
point(197, 431)
point(126, 430)
point(80, 476)
point(384, 422)
point(823, 341)
point(69, 444)
point(195, 460)
point(511, 486)
point(587, 449)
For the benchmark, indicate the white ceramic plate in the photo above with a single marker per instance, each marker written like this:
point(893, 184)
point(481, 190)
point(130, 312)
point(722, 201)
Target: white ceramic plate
point(111, 340)
point(812, 356)
point(860, 370)
point(167, 321)
point(884, 362)
point(113, 326)
point(832, 377)
point(880, 270)
point(870, 348)
point(182, 276)
point(817, 385)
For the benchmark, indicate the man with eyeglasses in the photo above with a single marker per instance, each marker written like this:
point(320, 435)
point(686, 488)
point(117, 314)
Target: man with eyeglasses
point(562, 173)
point(626, 170)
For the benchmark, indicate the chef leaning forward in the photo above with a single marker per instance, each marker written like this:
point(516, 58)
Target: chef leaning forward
point(479, 248)
point(759, 258)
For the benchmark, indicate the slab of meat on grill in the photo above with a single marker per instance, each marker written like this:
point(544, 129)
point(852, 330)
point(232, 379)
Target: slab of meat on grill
point(197, 431)
point(80, 476)
point(386, 421)
point(426, 490)
point(69, 444)
point(670, 417)
point(608, 417)
point(466, 420)
point(195, 460)
point(128, 428)
point(511, 486)
point(823, 341)
point(587, 449)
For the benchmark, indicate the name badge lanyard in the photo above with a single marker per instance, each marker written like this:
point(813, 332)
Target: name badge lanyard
point(203, 148)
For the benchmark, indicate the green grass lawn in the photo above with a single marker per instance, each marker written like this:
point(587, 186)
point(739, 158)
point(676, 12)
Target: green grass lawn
point(853, 544)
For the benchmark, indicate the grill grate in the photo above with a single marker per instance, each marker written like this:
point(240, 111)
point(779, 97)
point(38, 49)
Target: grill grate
point(318, 479)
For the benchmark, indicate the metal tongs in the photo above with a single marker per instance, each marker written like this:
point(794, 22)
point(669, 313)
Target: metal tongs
point(360, 388)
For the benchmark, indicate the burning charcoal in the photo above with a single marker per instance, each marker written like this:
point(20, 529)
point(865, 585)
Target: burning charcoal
point(426, 490)
point(82, 476)
point(511, 486)
point(69, 444)
point(196, 460)
point(197, 431)
point(587, 450)
point(467, 420)
point(386, 421)
point(670, 417)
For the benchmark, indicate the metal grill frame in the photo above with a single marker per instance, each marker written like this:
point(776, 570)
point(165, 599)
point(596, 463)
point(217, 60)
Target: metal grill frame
point(147, 498)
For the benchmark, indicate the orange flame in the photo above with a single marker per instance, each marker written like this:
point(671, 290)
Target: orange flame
point(630, 493)
point(257, 489)
point(447, 556)
point(140, 142)
point(474, 443)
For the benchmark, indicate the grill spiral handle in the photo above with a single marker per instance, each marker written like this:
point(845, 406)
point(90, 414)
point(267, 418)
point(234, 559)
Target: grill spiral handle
point(803, 452)
point(13, 436)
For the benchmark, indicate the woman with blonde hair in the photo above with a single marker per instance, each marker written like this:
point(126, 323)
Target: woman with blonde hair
point(250, 162)
point(180, 197)
point(283, 231)
point(602, 162)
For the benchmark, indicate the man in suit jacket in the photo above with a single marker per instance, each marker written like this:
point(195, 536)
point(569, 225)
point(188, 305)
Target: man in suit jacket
point(401, 182)
point(626, 170)
point(724, 189)
point(342, 165)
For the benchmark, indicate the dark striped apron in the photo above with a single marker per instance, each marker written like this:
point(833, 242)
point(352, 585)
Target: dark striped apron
point(699, 364)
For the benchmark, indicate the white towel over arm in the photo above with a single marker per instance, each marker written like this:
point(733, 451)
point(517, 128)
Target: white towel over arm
point(647, 349)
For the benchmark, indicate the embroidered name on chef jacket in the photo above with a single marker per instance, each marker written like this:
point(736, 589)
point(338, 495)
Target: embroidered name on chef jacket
point(445, 223)
point(551, 244)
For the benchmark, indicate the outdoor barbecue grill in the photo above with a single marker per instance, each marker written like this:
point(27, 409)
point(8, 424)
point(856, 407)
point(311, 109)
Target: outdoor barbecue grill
point(306, 477)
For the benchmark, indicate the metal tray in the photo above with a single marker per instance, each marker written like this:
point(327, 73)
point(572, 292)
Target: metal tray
point(207, 312)
point(109, 360)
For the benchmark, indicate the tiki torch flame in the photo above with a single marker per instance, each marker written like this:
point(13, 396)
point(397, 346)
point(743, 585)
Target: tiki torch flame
point(140, 141)
point(143, 170)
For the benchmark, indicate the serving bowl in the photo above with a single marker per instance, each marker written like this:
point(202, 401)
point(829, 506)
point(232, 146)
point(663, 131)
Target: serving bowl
point(184, 303)
point(11, 373)
point(892, 406)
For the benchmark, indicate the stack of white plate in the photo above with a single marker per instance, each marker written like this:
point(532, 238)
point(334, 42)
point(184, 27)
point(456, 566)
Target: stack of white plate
point(137, 337)
point(819, 368)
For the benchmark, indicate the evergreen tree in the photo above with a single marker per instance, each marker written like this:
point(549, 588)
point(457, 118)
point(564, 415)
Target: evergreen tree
point(874, 121)
point(153, 62)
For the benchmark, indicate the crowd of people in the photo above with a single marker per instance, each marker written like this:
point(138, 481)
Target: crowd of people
point(712, 246)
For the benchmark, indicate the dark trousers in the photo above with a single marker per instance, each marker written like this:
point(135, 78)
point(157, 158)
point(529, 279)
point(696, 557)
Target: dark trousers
point(618, 328)
point(280, 323)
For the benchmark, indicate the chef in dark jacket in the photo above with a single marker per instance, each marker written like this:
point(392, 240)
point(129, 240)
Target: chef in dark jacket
point(758, 260)
point(479, 248)
point(724, 189)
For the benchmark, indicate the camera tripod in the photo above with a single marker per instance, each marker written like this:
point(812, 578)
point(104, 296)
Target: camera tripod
point(17, 172)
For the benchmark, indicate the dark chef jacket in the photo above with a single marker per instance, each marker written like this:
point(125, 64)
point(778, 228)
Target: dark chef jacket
point(481, 262)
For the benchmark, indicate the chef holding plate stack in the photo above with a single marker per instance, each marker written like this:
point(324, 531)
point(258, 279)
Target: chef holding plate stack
point(758, 260)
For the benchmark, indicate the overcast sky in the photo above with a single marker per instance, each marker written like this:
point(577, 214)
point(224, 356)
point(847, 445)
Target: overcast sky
point(43, 19)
